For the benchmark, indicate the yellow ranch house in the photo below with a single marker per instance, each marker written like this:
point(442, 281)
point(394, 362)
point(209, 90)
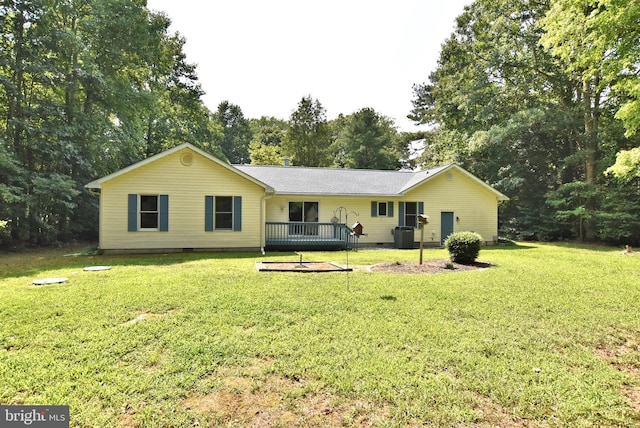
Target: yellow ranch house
point(185, 199)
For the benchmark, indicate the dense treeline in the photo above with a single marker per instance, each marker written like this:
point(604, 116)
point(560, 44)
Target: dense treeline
point(90, 86)
point(537, 98)
point(86, 87)
point(364, 139)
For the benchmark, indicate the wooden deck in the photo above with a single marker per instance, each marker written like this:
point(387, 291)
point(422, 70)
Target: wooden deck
point(309, 236)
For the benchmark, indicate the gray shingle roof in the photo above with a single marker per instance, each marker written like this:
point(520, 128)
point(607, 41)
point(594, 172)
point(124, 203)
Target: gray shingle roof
point(337, 181)
point(290, 180)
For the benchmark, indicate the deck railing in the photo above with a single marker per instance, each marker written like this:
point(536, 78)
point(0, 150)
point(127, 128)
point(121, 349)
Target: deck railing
point(309, 235)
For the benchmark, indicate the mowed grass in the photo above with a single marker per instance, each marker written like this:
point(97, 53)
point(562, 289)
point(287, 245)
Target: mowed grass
point(549, 336)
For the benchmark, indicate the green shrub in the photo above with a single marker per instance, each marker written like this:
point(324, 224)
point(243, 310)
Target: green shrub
point(463, 247)
point(5, 232)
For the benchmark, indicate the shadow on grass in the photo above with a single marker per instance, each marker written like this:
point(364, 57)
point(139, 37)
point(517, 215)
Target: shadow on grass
point(570, 245)
point(31, 263)
point(600, 248)
point(511, 247)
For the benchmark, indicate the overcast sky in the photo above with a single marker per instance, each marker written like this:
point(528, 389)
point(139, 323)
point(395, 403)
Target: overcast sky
point(349, 54)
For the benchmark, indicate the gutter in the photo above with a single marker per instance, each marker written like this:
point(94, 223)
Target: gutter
point(263, 221)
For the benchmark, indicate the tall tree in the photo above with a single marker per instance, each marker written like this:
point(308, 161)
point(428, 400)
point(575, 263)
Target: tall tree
point(79, 80)
point(596, 41)
point(266, 145)
point(567, 35)
point(308, 138)
point(517, 116)
point(599, 40)
point(55, 88)
point(177, 114)
point(236, 130)
point(367, 140)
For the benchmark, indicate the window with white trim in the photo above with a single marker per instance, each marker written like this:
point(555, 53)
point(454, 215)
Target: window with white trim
point(223, 212)
point(410, 214)
point(149, 212)
point(382, 209)
point(303, 212)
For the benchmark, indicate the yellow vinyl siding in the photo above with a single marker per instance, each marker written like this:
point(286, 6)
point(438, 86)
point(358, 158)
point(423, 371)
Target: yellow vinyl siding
point(376, 229)
point(380, 229)
point(473, 204)
point(187, 187)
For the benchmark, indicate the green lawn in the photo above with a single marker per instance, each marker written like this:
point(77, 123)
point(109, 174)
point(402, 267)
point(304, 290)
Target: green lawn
point(549, 336)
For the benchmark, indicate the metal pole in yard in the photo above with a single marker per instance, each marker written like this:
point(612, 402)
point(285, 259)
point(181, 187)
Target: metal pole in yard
point(421, 242)
point(424, 220)
point(347, 250)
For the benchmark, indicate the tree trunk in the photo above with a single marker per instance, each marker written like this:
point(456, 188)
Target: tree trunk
point(149, 136)
point(591, 103)
point(15, 116)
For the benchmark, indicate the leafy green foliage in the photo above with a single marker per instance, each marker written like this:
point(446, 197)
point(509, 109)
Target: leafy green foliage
point(54, 196)
point(463, 247)
point(525, 96)
point(176, 114)
point(619, 210)
point(570, 204)
point(366, 140)
point(5, 232)
point(627, 165)
point(236, 130)
point(266, 146)
point(599, 39)
point(308, 138)
point(86, 88)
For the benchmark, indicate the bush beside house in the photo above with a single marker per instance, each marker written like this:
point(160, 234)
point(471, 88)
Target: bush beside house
point(463, 247)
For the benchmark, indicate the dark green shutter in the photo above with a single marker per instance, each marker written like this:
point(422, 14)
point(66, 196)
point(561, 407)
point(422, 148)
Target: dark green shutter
point(390, 209)
point(400, 213)
point(237, 213)
point(374, 209)
point(164, 213)
point(132, 212)
point(208, 213)
point(420, 211)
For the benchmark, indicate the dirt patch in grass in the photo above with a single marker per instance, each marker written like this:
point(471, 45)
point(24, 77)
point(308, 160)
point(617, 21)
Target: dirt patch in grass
point(625, 357)
point(493, 415)
point(300, 267)
point(148, 315)
point(250, 397)
point(126, 420)
point(428, 266)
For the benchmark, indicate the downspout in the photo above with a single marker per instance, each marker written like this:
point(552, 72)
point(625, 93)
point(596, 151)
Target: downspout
point(263, 221)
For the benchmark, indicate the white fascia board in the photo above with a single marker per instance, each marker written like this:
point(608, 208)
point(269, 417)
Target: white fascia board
point(96, 184)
